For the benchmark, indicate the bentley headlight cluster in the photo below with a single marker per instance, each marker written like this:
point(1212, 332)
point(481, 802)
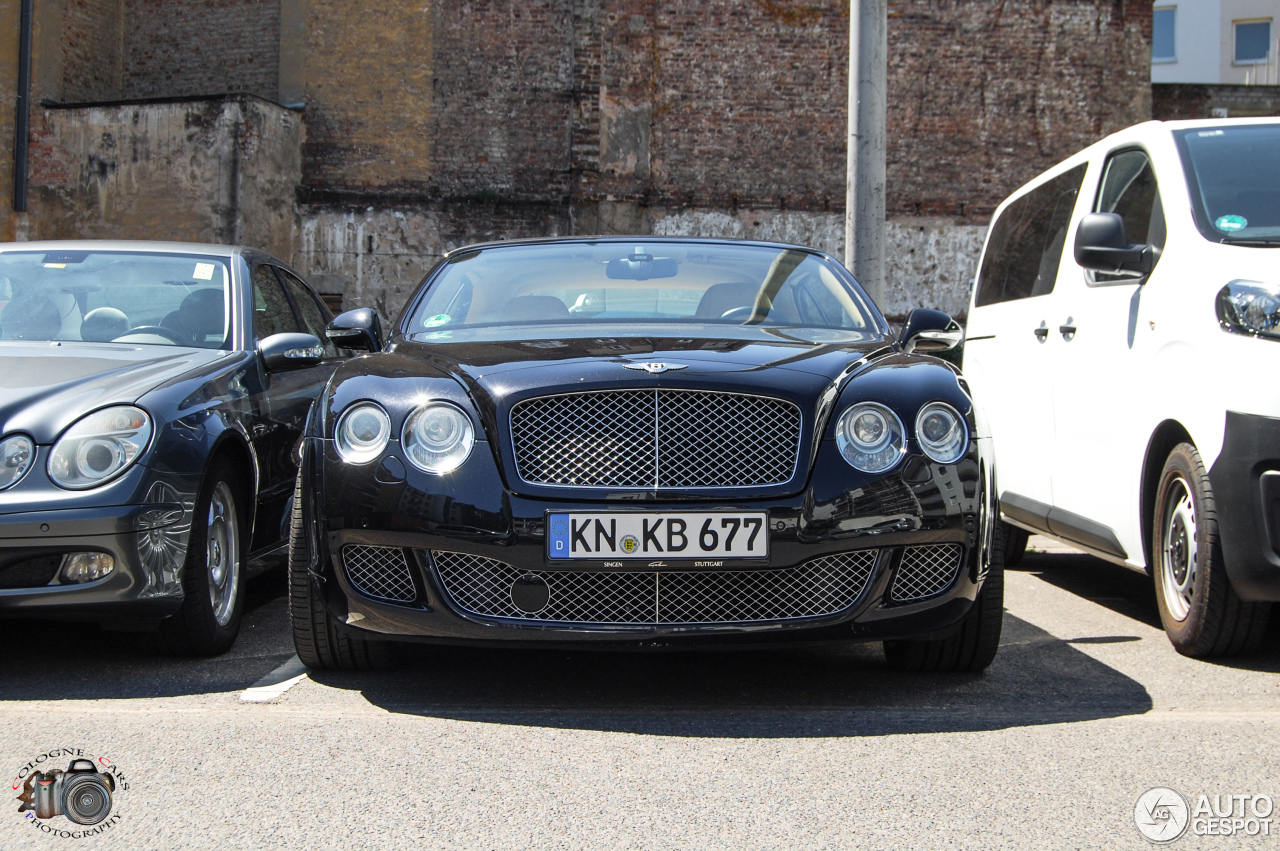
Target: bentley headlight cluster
point(363, 432)
point(942, 433)
point(99, 447)
point(16, 455)
point(870, 437)
point(438, 437)
point(1248, 307)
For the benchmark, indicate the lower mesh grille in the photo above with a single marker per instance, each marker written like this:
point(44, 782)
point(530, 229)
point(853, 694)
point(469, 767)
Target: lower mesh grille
point(925, 572)
point(379, 572)
point(30, 573)
point(823, 586)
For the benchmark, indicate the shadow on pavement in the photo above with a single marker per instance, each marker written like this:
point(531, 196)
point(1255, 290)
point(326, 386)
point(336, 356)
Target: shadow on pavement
point(785, 692)
point(53, 660)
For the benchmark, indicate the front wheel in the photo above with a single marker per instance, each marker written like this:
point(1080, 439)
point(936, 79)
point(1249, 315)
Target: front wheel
point(1201, 613)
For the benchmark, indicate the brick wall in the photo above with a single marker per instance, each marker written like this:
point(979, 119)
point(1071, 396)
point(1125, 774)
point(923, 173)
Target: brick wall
point(1172, 101)
point(90, 44)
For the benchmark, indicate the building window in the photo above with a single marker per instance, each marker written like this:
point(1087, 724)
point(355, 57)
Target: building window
point(1253, 42)
point(1162, 35)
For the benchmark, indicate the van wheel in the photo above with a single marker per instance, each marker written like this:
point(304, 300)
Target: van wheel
point(973, 646)
point(213, 574)
point(1201, 613)
point(320, 642)
point(1015, 543)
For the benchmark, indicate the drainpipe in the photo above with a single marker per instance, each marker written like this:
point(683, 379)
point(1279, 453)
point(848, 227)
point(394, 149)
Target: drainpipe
point(22, 126)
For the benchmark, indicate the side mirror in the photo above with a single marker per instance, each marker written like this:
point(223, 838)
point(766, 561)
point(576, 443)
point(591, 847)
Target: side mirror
point(1103, 246)
point(928, 331)
point(284, 352)
point(356, 329)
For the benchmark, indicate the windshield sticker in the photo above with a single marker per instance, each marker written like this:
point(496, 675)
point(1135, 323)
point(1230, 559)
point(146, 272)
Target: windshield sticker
point(433, 321)
point(55, 265)
point(203, 272)
point(1231, 223)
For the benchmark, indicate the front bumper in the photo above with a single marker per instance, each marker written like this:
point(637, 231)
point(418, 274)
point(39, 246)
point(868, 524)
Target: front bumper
point(427, 525)
point(1246, 491)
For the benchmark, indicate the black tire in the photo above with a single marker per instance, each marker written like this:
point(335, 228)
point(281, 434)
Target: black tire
point(1201, 613)
point(972, 647)
point(320, 642)
point(209, 620)
point(1015, 543)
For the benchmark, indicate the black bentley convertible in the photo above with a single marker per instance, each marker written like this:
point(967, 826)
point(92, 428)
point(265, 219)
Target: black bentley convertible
point(645, 441)
point(152, 396)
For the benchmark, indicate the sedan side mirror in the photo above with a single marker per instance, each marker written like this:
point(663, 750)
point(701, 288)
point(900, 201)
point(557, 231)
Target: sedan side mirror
point(1103, 246)
point(285, 352)
point(356, 329)
point(928, 331)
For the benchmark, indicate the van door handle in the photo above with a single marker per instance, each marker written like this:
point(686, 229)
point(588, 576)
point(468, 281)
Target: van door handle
point(1042, 332)
point(1068, 329)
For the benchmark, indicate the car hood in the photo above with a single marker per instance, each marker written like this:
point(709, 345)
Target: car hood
point(44, 387)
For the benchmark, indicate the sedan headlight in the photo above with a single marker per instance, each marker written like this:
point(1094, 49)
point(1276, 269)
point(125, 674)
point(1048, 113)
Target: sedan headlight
point(438, 437)
point(16, 455)
point(363, 432)
point(942, 433)
point(1248, 307)
point(870, 437)
point(99, 447)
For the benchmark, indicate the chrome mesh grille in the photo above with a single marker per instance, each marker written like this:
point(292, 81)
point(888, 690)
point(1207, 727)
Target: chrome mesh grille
point(379, 572)
point(822, 586)
point(925, 572)
point(656, 439)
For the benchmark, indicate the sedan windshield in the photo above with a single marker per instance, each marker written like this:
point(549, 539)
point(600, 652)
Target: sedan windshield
point(621, 283)
point(115, 297)
point(1233, 174)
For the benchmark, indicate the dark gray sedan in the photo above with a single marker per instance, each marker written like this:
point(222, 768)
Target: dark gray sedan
point(151, 397)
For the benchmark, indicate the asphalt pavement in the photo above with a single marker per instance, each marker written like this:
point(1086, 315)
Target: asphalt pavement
point(1085, 708)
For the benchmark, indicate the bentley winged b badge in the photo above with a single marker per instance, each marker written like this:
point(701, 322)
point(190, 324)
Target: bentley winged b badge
point(657, 367)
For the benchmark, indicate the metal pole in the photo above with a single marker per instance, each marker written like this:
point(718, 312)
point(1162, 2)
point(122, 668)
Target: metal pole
point(864, 217)
point(21, 128)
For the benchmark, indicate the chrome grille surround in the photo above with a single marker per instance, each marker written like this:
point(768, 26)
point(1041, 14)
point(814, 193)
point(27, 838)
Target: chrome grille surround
point(925, 571)
point(823, 586)
point(656, 439)
point(379, 572)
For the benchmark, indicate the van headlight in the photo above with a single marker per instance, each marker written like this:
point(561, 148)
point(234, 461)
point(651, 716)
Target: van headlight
point(438, 437)
point(99, 447)
point(1248, 307)
point(870, 437)
point(942, 433)
point(363, 432)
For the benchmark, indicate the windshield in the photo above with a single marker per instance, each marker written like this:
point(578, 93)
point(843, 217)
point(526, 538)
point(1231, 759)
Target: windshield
point(642, 282)
point(1233, 174)
point(115, 297)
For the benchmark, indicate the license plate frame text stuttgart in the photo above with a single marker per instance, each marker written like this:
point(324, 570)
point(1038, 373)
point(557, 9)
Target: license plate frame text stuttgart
point(637, 535)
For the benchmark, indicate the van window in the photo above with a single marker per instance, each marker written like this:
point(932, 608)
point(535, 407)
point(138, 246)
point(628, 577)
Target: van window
point(1129, 189)
point(1025, 246)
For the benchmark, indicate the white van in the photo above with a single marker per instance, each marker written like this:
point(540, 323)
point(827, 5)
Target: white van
point(1124, 342)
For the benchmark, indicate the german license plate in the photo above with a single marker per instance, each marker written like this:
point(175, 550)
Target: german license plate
point(625, 535)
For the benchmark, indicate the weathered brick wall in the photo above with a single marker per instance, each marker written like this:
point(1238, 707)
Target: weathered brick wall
point(1172, 101)
point(8, 94)
point(90, 44)
point(187, 48)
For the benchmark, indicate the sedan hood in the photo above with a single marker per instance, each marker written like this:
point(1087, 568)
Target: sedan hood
point(44, 387)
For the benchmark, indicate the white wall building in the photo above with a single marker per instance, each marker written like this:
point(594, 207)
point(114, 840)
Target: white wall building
point(1228, 42)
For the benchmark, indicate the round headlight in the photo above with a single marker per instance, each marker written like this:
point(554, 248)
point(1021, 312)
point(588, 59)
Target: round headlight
point(438, 438)
point(99, 447)
point(363, 432)
point(16, 455)
point(942, 433)
point(870, 437)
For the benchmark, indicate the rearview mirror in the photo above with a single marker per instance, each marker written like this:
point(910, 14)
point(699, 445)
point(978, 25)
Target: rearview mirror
point(1103, 246)
point(285, 352)
point(642, 267)
point(356, 329)
point(929, 331)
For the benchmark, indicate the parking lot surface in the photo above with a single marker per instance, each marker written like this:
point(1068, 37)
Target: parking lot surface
point(1085, 708)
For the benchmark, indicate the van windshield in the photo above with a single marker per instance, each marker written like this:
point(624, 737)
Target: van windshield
point(1233, 174)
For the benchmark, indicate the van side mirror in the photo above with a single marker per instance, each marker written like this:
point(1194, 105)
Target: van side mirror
point(356, 329)
point(289, 351)
point(1103, 246)
point(928, 331)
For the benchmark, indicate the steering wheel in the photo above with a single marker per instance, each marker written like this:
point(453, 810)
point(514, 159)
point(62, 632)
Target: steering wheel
point(738, 312)
point(159, 330)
